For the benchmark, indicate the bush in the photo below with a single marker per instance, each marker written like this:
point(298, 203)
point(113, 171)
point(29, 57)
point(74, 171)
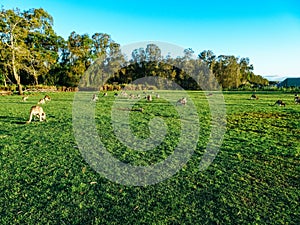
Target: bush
point(40, 88)
point(8, 88)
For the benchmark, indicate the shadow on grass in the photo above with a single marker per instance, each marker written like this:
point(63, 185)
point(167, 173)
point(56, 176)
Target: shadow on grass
point(13, 120)
point(19, 120)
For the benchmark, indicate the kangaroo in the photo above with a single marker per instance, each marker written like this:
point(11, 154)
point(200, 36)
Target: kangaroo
point(182, 101)
point(280, 103)
point(47, 98)
point(149, 98)
point(253, 97)
point(41, 101)
point(24, 98)
point(95, 97)
point(38, 112)
point(296, 99)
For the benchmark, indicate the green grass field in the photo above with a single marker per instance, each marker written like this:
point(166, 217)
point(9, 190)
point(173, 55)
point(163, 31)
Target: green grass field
point(254, 179)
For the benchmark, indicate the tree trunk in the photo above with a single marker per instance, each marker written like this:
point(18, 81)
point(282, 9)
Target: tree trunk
point(16, 75)
point(4, 81)
point(20, 89)
point(35, 77)
point(36, 82)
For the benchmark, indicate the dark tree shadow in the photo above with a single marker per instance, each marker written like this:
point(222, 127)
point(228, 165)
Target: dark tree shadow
point(13, 120)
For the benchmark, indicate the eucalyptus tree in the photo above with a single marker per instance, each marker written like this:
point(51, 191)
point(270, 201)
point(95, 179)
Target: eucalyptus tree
point(138, 56)
point(78, 57)
point(227, 71)
point(28, 42)
point(109, 57)
point(43, 44)
point(100, 44)
point(198, 73)
point(169, 68)
point(153, 53)
point(140, 63)
point(233, 72)
point(137, 65)
point(153, 57)
point(187, 65)
point(113, 62)
point(153, 64)
point(104, 59)
point(209, 58)
point(58, 69)
point(246, 70)
point(13, 32)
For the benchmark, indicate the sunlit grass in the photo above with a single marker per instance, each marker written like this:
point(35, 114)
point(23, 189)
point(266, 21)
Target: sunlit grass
point(254, 179)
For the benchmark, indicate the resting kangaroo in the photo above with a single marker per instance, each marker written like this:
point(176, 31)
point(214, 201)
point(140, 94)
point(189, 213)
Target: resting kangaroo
point(24, 98)
point(47, 98)
point(95, 97)
point(41, 101)
point(253, 97)
point(182, 101)
point(280, 103)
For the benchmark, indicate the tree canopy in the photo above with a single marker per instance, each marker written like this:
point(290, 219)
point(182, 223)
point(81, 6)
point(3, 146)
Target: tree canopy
point(32, 53)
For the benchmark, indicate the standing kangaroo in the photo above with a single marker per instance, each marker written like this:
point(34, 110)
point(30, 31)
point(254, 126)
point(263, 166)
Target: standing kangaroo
point(38, 112)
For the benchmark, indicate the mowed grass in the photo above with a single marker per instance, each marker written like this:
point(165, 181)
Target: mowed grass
point(254, 179)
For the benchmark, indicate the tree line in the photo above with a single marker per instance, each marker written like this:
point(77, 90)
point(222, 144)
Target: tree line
point(31, 53)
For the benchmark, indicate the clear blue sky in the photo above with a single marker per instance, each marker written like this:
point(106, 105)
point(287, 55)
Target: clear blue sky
point(266, 31)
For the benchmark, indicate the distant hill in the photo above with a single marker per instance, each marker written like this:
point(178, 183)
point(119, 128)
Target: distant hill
point(278, 77)
point(274, 77)
point(290, 82)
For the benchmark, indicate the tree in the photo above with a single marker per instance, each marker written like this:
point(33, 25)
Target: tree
point(101, 44)
point(105, 59)
point(246, 70)
point(58, 68)
point(153, 53)
point(153, 58)
point(209, 58)
point(13, 31)
point(79, 57)
point(29, 41)
point(42, 42)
